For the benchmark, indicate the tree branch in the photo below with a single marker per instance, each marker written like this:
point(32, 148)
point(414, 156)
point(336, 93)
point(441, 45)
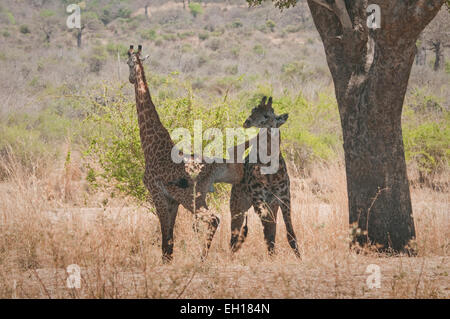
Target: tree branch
point(423, 11)
point(341, 11)
point(324, 4)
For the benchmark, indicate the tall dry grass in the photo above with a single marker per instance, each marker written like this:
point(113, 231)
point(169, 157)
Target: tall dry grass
point(116, 244)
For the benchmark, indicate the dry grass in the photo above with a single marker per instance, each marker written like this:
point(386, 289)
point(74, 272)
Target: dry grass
point(117, 247)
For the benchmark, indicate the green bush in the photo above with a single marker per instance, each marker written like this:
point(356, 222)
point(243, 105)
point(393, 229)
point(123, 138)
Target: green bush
point(113, 48)
point(114, 144)
point(293, 28)
point(271, 25)
point(214, 44)
point(97, 58)
point(124, 13)
point(10, 17)
point(196, 9)
point(428, 146)
point(421, 100)
point(259, 50)
point(149, 34)
point(203, 35)
point(24, 29)
point(237, 24)
point(169, 37)
point(36, 136)
point(46, 13)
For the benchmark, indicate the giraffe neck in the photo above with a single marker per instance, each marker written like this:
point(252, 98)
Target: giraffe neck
point(269, 140)
point(155, 139)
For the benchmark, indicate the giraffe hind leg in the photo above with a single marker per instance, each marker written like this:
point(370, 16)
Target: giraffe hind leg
point(268, 216)
point(239, 205)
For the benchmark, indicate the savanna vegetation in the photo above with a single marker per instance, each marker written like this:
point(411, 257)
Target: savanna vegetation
point(71, 164)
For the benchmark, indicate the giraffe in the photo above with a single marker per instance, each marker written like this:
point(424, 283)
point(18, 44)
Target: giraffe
point(171, 184)
point(266, 193)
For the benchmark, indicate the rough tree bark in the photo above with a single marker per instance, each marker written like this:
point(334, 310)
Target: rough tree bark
point(79, 36)
point(370, 70)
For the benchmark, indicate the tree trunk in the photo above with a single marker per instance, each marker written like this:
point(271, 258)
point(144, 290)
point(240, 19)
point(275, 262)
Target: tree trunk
point(79, 35)
point(370, 105)
point(370, 70)
point(438, 54)
point(421, 56)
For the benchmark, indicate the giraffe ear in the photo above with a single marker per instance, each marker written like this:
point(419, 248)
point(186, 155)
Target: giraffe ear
point(140, 48)
point(263, 102)
point(269, 103)
point(130, 51)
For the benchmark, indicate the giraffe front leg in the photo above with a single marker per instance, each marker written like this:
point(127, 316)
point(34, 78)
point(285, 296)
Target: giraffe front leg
point(212, 222)
point(268, 216)
point(286, 211)
point(239, 205)
point(167, 210)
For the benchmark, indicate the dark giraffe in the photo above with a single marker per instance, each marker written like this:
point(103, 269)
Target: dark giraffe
point(265, 192)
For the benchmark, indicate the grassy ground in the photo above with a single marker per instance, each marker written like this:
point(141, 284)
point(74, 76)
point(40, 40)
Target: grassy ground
point(117, 247)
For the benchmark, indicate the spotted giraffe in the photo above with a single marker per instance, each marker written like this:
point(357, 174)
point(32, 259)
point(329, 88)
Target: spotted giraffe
point(171, 184)
point(265, 192)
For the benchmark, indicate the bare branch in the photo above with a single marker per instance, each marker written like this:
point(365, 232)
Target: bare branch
point(341, 11)
point(423, 11)
point(323, 4)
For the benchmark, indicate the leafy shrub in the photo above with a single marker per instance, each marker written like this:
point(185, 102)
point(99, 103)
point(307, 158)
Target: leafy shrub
point(106, 16)
point(169, 37)
point(97, 58)
point(427, 145)
point(196, 9)
point(10, 17)
point(232, 69)
point(149, 34)
point(271, 25)
point(24, 29)
point(186, 34)
point(259, 50)
point(113, 48)
point(237, 24)
point(46, 13)
point(124, 13)
point(293, 28)
point(423, 101)
point(35, 136)
point(115, 142)
point(214, 44)
point(203, 36)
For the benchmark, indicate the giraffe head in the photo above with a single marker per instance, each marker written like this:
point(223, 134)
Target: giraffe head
point(263, 116)
point(134, 61)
